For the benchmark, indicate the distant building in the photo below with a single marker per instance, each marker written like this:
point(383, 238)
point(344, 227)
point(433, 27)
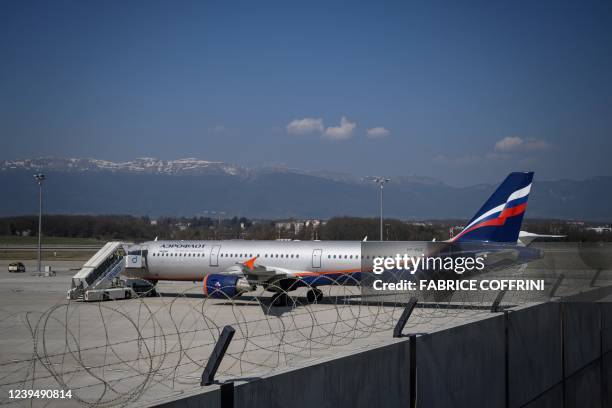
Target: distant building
point(575, 225)
point(419, 224)
point(284, 225)
point(312, 223)
point(182, 226)
point(297, 226)
point(600, 229)
point(153, 222)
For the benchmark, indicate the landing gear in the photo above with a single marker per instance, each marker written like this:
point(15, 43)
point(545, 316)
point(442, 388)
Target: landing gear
point(280, 299)
point(314, 295)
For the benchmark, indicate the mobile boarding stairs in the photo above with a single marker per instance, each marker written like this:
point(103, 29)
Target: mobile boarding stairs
point(99, 278)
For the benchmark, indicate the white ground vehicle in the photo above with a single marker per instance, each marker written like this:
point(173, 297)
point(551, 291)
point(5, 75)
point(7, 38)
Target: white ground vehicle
point(16, 267)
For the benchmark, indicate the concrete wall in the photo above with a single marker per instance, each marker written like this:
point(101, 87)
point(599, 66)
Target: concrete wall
point(553, 398)
point(209, 397)
point(606, 326)
point(606, 372)
point(378, 377)
point(534, 352)
point(606, 348)
point(582, 337)
point(582, 389)
point(464, 366)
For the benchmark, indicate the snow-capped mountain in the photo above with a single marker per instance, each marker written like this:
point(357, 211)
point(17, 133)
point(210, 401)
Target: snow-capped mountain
point(145, 165)
point(189, 186)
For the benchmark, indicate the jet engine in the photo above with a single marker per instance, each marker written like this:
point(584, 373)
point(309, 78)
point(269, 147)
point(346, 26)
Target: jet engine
point(225, 286)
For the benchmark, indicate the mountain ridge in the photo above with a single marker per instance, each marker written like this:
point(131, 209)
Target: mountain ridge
point(143, 187)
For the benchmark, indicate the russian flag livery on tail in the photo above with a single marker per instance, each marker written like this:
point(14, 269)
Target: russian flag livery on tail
point(500, 218)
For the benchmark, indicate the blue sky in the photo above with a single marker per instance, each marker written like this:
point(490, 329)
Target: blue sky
point(464, 92)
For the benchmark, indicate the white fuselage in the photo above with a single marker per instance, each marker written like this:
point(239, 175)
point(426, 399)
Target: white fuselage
point(193, 260)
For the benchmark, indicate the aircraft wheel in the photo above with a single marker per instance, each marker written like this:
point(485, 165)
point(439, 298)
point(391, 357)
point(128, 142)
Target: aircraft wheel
point(314, 295)
point(280, 299)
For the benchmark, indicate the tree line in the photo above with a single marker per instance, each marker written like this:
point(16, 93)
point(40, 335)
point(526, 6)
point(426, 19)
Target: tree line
point(127, 227)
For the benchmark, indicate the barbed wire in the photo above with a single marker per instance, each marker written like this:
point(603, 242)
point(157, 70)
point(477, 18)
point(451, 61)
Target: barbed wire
point(117, 353)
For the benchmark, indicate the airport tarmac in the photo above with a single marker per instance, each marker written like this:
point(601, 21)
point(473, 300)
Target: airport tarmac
point(139, 351)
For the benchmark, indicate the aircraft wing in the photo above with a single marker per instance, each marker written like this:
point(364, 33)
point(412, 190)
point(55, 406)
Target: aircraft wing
point(255, 271)
point(525, 238)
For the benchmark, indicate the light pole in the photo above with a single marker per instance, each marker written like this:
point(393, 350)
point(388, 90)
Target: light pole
point(39, 179)
point(219, 214)
point(381, 181)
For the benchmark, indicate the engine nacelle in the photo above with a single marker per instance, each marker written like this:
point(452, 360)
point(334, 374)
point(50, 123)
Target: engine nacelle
point(225, 286)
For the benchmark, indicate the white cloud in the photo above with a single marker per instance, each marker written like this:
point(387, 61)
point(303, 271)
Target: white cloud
point(514, 144)
point(508, 144)
point(342, 132)
point(377, 132)
point(315, 125)
point(218, 129)
point(305, 126)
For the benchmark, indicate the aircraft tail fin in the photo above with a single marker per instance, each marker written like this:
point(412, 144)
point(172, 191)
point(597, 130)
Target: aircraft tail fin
point(500, 218)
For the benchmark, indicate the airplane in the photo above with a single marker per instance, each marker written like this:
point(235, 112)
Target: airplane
point(232, 267)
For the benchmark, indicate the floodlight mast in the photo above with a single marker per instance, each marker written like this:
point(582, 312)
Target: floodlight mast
point(219, 214)
point(39, 179)
point(381, 181)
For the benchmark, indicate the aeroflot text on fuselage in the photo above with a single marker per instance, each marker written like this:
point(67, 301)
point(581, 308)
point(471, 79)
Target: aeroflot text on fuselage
point(428, 263)
point(183, 245)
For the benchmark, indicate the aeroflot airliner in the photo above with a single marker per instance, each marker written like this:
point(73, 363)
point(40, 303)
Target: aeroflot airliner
point(229, 268)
